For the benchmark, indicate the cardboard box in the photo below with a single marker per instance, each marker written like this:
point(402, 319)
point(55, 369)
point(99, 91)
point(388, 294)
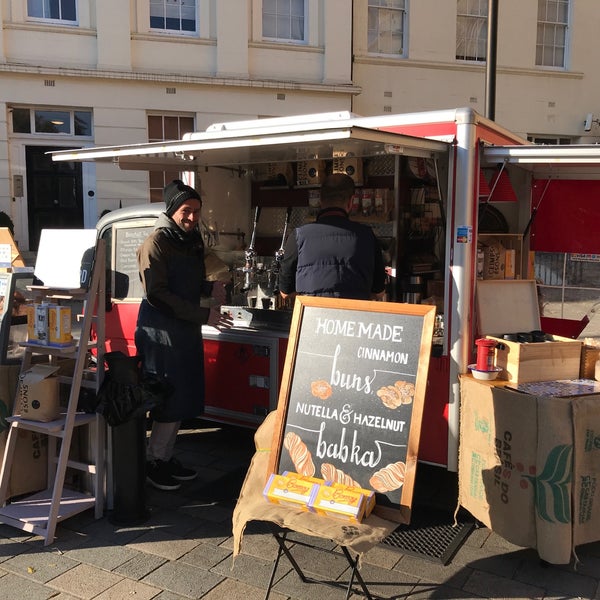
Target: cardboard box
point(289, 490)
point(505, 306)
point(37, 323)
point(510, 263)
point(49, 324)
point(339, 501)
point(589, 357)
point(310, 172)
point(494, 256)
point(527, 466)
point(30, 461)
point(59, 325)
point(349, 165)
point(369, 495)
point(37, 393)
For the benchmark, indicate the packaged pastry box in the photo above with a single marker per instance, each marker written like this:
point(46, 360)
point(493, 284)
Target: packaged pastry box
point(340, 502)
point(290, 489)
point(510, 307)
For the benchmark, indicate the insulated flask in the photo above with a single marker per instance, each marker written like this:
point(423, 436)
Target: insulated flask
point(485, 354)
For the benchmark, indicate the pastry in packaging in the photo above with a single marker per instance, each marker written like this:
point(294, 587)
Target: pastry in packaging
point(289, 490)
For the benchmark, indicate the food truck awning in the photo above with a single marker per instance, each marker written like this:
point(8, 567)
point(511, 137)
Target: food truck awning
point(323, 137)
point(581, 161)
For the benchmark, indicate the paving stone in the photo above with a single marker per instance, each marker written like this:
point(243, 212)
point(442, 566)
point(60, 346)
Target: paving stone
point(238, 590)
point(319, 562)
point(10, 547)
point(13, 587)
point(139, 566)
point(557, 581)
point(387, 583)
point(427, 591)
point(205, 556)
point(166, 595)
point(484, 559)
point(381, 557)
point(39, 566)
point(209, 512)
point(249, 569)
point(291, 585)
point(210, 532)
point(84, 581)
point(176, 521)
point(262, 545)
point(164, 544)
point(129, 589)
point(116, 534)
point(453, 575)
point(589, 565)
point(483, 584)
point(186, 580)
point(101, 554)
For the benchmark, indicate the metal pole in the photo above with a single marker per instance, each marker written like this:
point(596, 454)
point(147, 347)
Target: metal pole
point(490, 71)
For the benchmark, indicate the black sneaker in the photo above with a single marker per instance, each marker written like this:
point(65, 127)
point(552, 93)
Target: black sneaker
point(158, 473)
point(179, 472)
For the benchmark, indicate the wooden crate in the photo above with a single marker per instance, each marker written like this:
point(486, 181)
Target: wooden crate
point(505, 306)
point(538, 361)
point(589, 356)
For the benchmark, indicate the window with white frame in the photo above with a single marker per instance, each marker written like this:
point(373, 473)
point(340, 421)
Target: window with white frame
point(163, 128)
point(471, 30)
point(174, 16)
point(53, 10)
point(552, 28)
point(284, 20)
point(386, 26)
point(52, 121)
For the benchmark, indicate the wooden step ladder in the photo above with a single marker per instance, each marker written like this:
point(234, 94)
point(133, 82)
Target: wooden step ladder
point(40, 512)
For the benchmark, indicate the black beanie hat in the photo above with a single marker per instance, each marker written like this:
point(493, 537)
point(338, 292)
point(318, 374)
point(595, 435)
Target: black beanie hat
point(176, 193)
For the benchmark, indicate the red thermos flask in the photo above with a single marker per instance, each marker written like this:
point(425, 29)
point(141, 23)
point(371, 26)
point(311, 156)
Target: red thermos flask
point(485, 354)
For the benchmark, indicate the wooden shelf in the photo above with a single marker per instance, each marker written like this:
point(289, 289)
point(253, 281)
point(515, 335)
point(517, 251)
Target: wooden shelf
point(40, 512)
point(55, 427)
point(32, 513)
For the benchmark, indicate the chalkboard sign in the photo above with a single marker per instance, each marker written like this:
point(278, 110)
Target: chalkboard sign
point(127, 238)
point(351, 399)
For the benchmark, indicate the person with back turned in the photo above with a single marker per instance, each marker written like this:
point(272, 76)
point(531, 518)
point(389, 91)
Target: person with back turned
point(168, 335)
point(333, 256)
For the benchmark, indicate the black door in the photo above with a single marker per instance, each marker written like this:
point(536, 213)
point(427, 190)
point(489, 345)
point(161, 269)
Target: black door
point(54, 193)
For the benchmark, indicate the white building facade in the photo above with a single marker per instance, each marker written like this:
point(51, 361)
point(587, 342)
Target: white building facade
point(79, 73)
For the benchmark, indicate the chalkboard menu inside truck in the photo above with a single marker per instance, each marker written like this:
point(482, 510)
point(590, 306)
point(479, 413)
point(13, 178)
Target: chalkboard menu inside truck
point(127, 238)
point(351, 400)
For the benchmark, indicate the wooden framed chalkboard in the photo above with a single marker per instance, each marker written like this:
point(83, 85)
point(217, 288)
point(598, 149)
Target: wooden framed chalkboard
point(351, 397)
point(125, 278)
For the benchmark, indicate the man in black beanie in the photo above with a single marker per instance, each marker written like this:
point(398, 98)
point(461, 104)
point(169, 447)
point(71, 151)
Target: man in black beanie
point(176, 193)
point(168, 335)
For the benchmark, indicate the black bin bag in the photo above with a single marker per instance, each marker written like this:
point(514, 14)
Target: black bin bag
point(123, 399)
point(125, 393)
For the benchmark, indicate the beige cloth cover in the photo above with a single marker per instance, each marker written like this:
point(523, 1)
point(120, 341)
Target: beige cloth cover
point(253, 506)
point(586, 470)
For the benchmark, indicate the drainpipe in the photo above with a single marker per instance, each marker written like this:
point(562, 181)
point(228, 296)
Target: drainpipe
point(490, 65)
